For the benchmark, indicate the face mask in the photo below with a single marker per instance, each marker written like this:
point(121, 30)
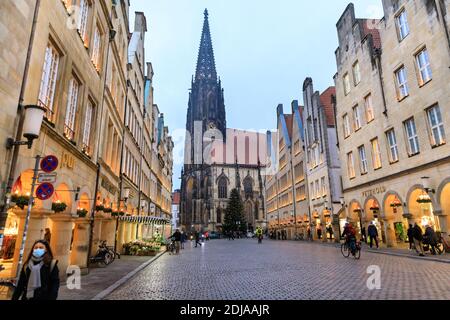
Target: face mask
point(38, 253)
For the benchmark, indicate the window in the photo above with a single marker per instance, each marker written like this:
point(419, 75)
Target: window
point(402, 25)
point(346, 126)
point(402, 83)
point(393, 148)
point(71, 110)
point(424, 67)
point(248, 187)
point(48, 81)
point(363, 160)
point(436, 126)
point(346, 84)
point(82, 20)
point(88, 128)
point(413, 139)
point(312, 190)
point(223, 188)
point(376, 154)
point(324, 186)
point(350, 165)
point(317, 189)
point(370, 114)
point(357, 118)
point(97, 48)
point(356, 74)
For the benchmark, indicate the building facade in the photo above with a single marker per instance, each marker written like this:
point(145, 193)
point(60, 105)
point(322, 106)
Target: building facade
point(217, 159)
point(78, 71)
point(392, 89)
point(288, 180)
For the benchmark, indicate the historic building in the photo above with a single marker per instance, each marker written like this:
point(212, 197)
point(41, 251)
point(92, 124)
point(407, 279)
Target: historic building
point(287, 181)
point(392, 87)
point(322, 159)
point(78, 71)
point(217, 159)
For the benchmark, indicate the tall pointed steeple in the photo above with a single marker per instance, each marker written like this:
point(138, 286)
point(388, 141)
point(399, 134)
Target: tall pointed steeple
point(206, 66)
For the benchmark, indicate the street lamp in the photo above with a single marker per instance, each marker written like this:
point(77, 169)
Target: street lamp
point(126, 194)
point(31, 126)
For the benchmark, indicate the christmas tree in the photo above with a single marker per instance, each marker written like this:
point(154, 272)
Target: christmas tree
point(234, 215)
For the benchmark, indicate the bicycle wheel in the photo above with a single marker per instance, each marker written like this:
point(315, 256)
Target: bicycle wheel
point(358, 254)
point(108, 258)
point(440, 248)
point(345, 250)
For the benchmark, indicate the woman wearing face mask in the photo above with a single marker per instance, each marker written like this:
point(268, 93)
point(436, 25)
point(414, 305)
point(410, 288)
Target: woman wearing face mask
point(39, 278)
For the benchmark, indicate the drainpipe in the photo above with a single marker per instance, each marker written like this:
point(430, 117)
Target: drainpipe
point(110, 39)
point(377, 56)
point(21, 114)
point(442, 9)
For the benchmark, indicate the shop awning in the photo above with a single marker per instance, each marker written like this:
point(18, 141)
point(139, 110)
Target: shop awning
point(145, 220)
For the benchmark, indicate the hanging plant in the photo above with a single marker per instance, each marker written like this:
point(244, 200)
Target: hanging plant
point(357, 211)
point(99, 207)
point(117, 214)
point(375, 209)
point(424, 199)
point(59, 207)
point(396, 205)
point(82, 213)
point(20, 201)
point(107, 210)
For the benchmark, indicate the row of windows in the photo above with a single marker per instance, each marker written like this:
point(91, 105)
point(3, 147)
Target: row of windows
point(318, 188)
point(134, 125)
point(132, 167)
point(46, 99)
point(436, 133)
point(357, 123)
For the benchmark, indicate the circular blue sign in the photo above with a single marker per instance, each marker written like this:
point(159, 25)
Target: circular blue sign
point(49, 164)
point(45, 191)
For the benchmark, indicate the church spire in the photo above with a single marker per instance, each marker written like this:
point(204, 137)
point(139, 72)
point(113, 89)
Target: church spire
point(206, 67)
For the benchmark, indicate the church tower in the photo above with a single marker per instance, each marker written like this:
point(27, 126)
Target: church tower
point(206, 111)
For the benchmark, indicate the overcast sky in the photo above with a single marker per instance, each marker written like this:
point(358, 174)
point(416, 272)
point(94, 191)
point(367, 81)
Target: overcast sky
point(263, 49)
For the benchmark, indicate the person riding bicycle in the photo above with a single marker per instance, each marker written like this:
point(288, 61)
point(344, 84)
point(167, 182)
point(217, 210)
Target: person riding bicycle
point(259, 234)
point(350, 237)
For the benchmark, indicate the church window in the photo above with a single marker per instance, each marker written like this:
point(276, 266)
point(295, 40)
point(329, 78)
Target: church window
point(223, 188)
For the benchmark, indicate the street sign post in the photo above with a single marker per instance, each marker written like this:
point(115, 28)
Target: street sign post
point(47, 177)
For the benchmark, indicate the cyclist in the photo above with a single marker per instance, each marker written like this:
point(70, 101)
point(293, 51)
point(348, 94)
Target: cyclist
point(259, 234)
point(350, 237)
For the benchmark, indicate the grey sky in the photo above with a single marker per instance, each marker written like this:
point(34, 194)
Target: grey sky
point(263, 50)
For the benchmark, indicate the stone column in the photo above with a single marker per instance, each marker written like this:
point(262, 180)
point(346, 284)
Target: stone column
point(97, 234)
point(108, 231)
point(442, 221)
point(36, 229)
point(61, 239)
point(391, 240)
point(336, 229)
point(80, 245)
point(120, 236)
point(127, 231)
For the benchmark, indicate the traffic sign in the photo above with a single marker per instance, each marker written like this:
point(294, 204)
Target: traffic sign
point(45, 191)
point(49, 164)
point(47, 177)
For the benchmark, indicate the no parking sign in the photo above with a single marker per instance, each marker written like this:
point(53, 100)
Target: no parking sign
point(49, 164)
point(45, 191)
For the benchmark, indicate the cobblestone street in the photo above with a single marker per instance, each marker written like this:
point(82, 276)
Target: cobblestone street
point(244, 270)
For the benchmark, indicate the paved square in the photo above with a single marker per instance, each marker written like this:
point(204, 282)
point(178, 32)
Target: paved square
point(244, 270)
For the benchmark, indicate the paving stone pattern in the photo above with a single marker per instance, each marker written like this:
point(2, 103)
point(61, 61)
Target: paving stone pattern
point(244, 270)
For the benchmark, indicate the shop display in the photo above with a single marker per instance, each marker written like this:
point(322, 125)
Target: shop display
point(9, 244)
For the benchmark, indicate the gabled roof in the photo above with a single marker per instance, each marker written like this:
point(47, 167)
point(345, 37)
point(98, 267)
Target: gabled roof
point(289, 123)
point(369, 27)
point(327, 103)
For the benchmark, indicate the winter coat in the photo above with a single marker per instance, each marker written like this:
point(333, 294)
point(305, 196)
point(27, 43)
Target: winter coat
point(417, 233)
point(176, 236)
point(431, 236)
point(372, 230)
point(411, 234)
point(49, 284)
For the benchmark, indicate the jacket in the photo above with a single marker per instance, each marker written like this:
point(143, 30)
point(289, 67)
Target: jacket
point(417, 233)
point(372, 230)
point(431, 236)
point(49, 284)
point(176, 236)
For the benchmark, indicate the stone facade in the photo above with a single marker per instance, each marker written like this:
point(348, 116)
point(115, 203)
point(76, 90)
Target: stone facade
point(403, 66)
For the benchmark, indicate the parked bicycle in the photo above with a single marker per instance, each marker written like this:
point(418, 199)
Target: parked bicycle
point(7, 288)
point(105, 255)
point(442, 245)
point(299, 237)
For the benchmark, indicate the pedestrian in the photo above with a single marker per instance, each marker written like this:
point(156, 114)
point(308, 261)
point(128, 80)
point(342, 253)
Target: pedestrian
point(183, 239)
point(197, 239)
point(418, 238)
point(39, 277)
point(364, 235)
point(319, 233)
point(177, 239)
point(330, 232)
point(431, 239)
point(309, 233)
point(373, 235)
point(411, 237)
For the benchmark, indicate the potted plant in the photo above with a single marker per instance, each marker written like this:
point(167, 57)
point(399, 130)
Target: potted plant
point(82, 213)
point(107, 210)
point(59, 207)
point(99, 207)
point(20, 201)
